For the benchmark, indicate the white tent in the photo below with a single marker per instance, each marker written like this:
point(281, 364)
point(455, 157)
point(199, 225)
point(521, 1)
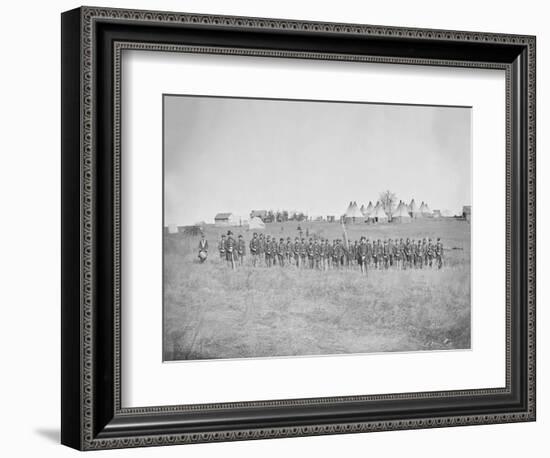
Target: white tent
point(378, 214)
point(414, 211)
point(172, 229)
point(447, 213)
point(370, 208)
point(401, 214)
point(256, 223)
point(425, 210)
point(353, 214)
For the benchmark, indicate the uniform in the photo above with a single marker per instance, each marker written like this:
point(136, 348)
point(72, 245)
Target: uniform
point(439, 253)
point(392, 250)
point(430, 253)
point(317, 254)
point(254, 250)
point(310, 250)
point(288, 251)
point(230, 248)
point(424, 252)
point(407, 261)
point(296, 252)
point(221, 248)
point(354, 250)
point(274, 246)
point(324, 254)
point(203, 249)
point(418, 260)
point(400, 254)
point(386, 254)
point(303, 253)
point(361, 254)
point(376, 253)
point(241, 250)
point(268, 252)
point(281, 247)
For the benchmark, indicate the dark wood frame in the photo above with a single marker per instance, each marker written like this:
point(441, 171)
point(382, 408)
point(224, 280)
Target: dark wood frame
point(92, 42)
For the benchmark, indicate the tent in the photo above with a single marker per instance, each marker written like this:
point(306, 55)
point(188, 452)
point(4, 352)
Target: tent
point(401, 214)
point(353, 214)
point(378, 214)
point(414, 211)
point(256, 223)
point(368, 209)
point(425, 210)
point(172, 229)
point(447, 213)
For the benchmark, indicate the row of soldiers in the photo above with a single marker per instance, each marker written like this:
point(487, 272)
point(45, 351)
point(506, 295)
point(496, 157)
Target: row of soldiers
point(320, 253)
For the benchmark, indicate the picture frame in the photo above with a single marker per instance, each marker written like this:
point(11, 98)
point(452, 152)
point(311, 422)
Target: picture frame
point(93, 416)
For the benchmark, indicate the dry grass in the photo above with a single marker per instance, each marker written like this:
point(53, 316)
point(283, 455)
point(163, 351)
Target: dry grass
point(213, 312)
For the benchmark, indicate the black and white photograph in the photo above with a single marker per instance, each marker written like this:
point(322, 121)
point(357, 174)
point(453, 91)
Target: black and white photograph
point(277, 221)
point(312, 228)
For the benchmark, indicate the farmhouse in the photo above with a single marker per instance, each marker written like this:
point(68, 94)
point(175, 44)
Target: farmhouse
point(226, 219)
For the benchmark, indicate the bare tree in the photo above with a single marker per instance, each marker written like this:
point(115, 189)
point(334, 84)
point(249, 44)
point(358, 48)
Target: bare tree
point(388, 201)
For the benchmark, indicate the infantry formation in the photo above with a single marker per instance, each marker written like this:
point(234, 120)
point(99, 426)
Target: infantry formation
point(323, 254)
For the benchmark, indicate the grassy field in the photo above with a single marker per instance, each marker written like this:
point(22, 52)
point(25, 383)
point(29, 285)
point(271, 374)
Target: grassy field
point(211, 311)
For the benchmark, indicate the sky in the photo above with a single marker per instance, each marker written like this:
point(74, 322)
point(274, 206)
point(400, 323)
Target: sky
point(237, 155)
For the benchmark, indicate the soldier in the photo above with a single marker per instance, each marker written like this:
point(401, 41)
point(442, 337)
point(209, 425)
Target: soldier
point(354, 249)
point(375, 253)
point(303, 253)
point(425, 251)
point(334, 254)
point(310, 254)
point(400, 254)
point(230, 249)
point(347, 253)
point(325, 247)
point(267, 251)
point(361, 254)
point(386, 254)
point(341, 253)
point(241, 249)
point(273, 251)
point(316, 254)
point(407, 261)
point(296, 252)
point(254, 246)
point(369, 253)
point(439, 253)
point(281, 252)
point(430, 253)
point(221, 247)
point(391, 251)
point(261, 247)
point(418, 258)
point(203, 248)
point(288, 250)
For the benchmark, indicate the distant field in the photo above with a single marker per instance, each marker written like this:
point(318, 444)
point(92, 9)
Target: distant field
point(213, 312)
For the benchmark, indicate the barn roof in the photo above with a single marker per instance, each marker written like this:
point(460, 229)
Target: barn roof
point(223, 216)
